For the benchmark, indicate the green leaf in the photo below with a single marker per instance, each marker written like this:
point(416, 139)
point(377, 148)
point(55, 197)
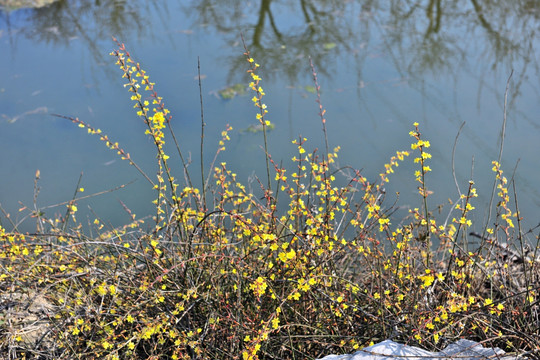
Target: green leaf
point(329, 46)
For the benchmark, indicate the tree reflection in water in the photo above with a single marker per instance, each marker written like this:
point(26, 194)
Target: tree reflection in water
point(422, 36)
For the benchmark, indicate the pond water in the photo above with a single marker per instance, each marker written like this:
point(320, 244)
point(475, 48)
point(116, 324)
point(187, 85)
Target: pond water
point(382, 66)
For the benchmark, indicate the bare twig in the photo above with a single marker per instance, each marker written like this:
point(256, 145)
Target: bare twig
point(503, 133)
point(202, 134)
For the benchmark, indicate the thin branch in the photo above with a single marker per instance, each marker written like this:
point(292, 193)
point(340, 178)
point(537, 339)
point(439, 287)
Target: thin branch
point(202, 133)
point(503, 132)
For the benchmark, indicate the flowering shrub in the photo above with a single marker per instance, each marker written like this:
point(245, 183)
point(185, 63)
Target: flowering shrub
point(237, 278)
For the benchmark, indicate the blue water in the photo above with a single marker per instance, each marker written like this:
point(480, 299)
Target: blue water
point(381, 68)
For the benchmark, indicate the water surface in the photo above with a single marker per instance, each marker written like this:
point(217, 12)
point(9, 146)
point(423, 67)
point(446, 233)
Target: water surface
point(381, 68)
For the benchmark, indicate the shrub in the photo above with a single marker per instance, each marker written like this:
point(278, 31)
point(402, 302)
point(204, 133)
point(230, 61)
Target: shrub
point(221, 273)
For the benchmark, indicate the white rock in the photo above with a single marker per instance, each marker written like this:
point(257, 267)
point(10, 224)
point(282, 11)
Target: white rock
point(390, 350)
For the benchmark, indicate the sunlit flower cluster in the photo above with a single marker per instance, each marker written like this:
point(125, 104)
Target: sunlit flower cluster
point(502, 192)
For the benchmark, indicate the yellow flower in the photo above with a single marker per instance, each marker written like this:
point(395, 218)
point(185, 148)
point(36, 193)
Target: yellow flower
point(259, 286)
point(112, 289)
